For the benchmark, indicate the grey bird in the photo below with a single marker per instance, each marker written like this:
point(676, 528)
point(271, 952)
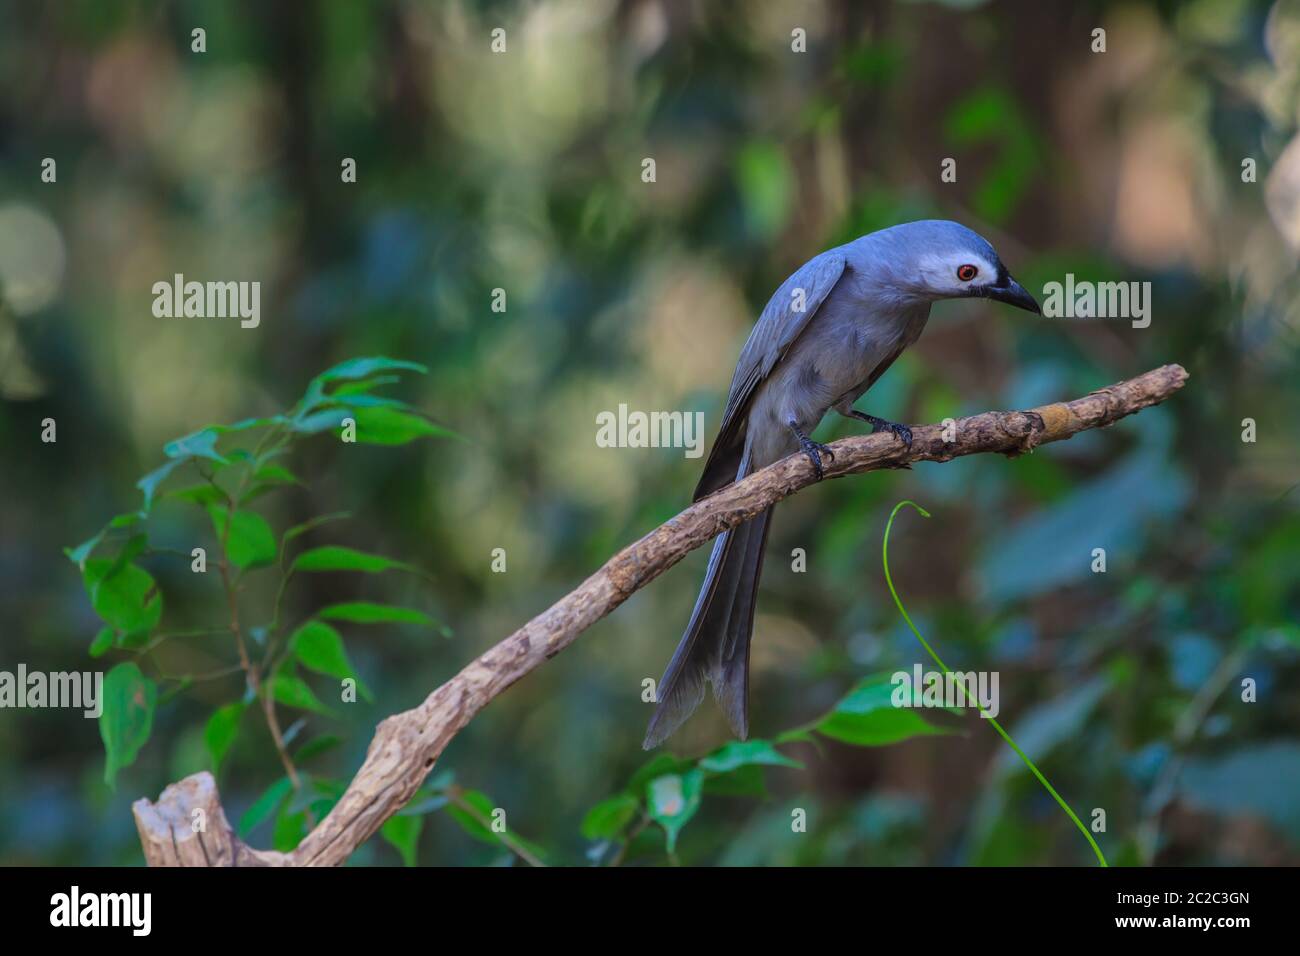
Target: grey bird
point(830, 331)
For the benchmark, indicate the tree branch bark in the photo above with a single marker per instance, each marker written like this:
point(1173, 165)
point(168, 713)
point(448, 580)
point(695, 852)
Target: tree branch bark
point(406, 745)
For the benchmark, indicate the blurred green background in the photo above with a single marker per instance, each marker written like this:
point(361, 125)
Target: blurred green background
point(522, 171)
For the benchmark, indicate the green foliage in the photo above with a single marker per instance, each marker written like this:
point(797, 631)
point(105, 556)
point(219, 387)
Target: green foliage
point(294, 692)
point(671, 801)
point(264, 806)
point(473, 811)
point(367, 612)
point(867, 718)
point(335, 558)
point(221, 729)
point(249, 540)
point(669, 790)
point(236, 464)
point(403, 832)
point(319, 647)
point(607, 819)
point(383, 425)
point(129, 699)
point(125, 596)
point(746, 753)
point(244, 542)
point(477, 815)
point(103, 642)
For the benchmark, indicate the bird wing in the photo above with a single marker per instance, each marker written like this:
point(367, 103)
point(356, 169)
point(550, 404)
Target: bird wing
point(883, 366)
point(776, 330)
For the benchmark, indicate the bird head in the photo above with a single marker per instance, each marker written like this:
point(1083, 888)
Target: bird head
point(938, 259)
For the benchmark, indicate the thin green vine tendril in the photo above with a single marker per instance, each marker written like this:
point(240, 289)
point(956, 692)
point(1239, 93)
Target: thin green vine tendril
point(884, 556)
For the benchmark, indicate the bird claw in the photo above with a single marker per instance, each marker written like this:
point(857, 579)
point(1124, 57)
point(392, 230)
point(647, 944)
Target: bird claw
point(901, 432)
point(814, 450)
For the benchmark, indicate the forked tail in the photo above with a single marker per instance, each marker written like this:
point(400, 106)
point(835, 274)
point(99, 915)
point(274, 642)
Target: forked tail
point(715, 647)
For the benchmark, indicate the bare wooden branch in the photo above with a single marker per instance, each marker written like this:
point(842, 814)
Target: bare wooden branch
point(187, 827)
point(406, 745)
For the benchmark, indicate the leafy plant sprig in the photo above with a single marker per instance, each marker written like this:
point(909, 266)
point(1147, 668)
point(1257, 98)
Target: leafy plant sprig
point(235, 466)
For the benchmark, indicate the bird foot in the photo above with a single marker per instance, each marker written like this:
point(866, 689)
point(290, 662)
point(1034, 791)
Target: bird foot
point(901, 432)
point(814, 450)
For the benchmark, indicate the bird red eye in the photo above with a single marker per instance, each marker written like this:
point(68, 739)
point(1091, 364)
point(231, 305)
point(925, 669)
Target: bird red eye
point(967, 272)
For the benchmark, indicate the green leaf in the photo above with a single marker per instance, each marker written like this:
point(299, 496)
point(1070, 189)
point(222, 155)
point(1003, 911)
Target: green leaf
point(289, 830)
point(203, 494)
point(337, 558)
point(82, 551)
point(319, 648)
point(363, 612)
point(275, 474)
point(103, 641)
point(357, 388)
point(347, 371)
point(660, 764)
point(868, 695)
point(150, 482)
point(251, 543)
point(390, 426)
point(134, 547)
point(221, 730)
point(607, 819)
point(129, 599)
point(357, 368)
point(294, 692)
point(483, 810)
point(199, 444)
point(364, 367)
point(469, 822)
point(369, 401)
point(301, 529)
point(403, 832)
point(672, 800)
point(128, 701)
point(203, 443)
point(265, 805)
point(744, 781)
point(867, 717)
point(740, 753)
point(318, 422)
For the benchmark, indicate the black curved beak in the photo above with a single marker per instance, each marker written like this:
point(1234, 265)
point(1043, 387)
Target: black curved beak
point(1011, 292)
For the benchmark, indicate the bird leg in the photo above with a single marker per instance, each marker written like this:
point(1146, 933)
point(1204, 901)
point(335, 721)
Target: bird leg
point(814, 450)
point(901, 432)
